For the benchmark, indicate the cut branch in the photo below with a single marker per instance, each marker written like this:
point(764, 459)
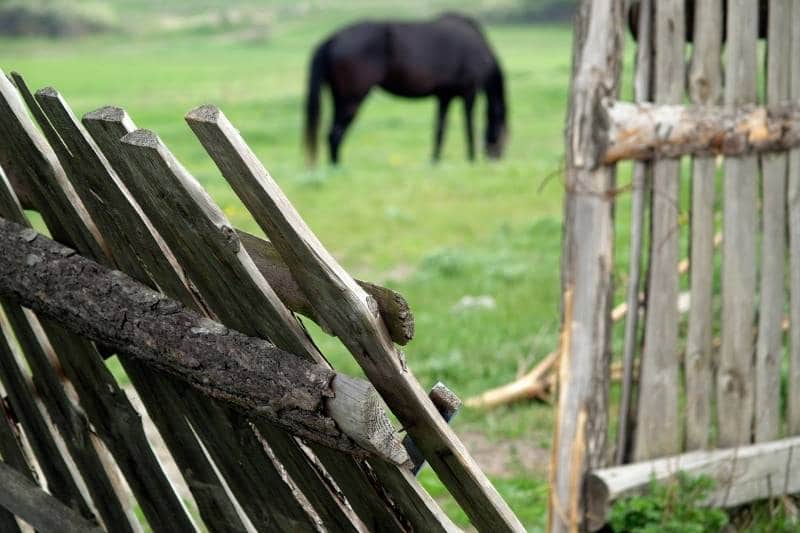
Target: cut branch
point(648, 131)
point(249, 373)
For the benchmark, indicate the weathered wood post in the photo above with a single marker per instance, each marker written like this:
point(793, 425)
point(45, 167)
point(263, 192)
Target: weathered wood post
point(580, 437)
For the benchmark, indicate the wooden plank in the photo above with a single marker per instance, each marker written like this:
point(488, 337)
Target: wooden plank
point(705, 88)
point(793, 209)
point(735, 371)
point(108, 125)
point(37, 429)
point(9, 450)
point(353, 316)
point(769, 347)
point(38, 508)
point(742, 474)
point(70, 421)
point(642, 171)
point(105, 404)
point(658, 424)
point(23, 148)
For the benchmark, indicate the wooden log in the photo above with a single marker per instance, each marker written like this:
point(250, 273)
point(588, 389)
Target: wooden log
point(108, 125)
point(652, 131)
point(735, 371)
point(532, 385)
point(108, 306)
point(658, 424)
point(587, 263)
point(642, 173)
point(769, 347)
point(353, 316)
point(394, 309)
point(705, 88)
point(793, 210)
point(38, 508)
point(742, 474)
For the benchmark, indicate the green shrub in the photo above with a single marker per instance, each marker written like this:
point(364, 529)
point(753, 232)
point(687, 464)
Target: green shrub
point(671, 507)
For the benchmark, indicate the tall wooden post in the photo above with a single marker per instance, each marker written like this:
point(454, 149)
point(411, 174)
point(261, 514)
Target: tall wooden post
point(580, 438)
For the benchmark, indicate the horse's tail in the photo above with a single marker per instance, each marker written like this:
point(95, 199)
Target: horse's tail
point(316, 78)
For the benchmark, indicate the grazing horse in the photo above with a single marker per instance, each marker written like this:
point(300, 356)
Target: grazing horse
point(447, 57)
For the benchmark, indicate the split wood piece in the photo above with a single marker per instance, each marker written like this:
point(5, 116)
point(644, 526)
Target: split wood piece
point(642, 175)
point(251, 374)
point(11, 452)
point(743, 474)
point(354, 318)
point(394, 309)
point(25, 151)
point(793, 208)
point(38, 508)
point(532, 385)
point(108, 409)
point(38, 431)
point(769, 347)
point(138, 250)
point(448, 405)
point(658, 420)
point(579, 440)
point(735, 365)
point(108, 125)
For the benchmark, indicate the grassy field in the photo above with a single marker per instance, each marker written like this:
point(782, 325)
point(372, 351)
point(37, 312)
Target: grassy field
point(437, 234)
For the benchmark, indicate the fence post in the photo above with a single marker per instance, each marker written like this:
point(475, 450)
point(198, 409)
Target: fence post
point(579, 441)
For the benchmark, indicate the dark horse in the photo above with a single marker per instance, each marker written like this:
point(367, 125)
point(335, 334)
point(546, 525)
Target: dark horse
point(447, 57)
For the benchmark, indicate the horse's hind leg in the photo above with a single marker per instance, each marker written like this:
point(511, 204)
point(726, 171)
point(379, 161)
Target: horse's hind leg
point(469, 104)
point(441, 114)
point(343, 115)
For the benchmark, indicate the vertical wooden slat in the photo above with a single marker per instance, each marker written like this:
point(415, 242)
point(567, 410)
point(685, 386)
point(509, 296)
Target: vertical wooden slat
point(658, 426)
point(735, 374)
point(641, 172)
point(587, 265)
point(705, 88)
point(769, 348)
point(11, 454)
point(793, 209)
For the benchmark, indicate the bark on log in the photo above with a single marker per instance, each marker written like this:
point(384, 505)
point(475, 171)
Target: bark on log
point(648, 131)
point(249, 373)
point(38, 508)
point(743, 474)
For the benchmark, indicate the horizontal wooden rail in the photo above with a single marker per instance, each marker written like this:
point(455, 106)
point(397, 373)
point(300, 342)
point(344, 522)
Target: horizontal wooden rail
point(649, 131)
point(306, 399)
point(743, 474)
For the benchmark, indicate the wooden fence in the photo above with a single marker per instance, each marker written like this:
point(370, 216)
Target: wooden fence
point(717, 391)
point(118, 196)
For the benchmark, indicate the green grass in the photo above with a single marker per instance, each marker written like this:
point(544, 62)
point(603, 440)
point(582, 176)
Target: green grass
point(435, 233)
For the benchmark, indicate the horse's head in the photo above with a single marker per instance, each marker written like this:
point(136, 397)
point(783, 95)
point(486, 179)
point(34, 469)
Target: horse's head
point(496, 129)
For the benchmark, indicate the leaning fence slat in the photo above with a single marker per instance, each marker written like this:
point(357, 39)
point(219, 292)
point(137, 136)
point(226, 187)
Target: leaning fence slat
point(769, 347)
point(641, 172)
point(38, 508)
point(11, 454)
point(138, 250)
point(106, 405)
point(734, 377)
point(107, 126)
point(658, 425)
point(793, 209)
point(352, 315)
point(37, 429)
point(70, 421)
point(705, 88)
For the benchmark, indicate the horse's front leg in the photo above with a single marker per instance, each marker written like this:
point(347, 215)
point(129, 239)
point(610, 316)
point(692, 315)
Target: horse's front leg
point(469, 103)
point(441, 115)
